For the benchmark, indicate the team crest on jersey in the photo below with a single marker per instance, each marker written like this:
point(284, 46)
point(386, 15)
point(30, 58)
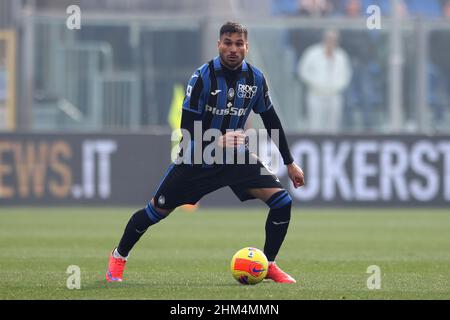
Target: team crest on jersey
point(230, 94)
point(246, 91)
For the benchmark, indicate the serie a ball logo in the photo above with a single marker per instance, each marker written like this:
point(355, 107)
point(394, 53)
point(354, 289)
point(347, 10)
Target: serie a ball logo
point(249, 266)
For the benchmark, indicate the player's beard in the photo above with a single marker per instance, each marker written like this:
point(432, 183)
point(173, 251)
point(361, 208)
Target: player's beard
point(231, 64)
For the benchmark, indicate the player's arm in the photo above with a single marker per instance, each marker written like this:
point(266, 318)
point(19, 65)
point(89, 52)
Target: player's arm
point(187, 122)
point(272, 122)
point(192, 111)
point(265, 109)
point(193, 104)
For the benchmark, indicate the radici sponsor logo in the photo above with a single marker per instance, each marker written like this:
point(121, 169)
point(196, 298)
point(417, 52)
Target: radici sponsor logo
point(374, 170)
point(246, 91)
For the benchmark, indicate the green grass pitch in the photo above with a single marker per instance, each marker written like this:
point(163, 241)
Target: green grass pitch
point(187, 256)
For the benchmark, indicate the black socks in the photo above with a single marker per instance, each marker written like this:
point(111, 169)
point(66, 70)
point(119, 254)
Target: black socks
point(277, 223)
point(136, 227)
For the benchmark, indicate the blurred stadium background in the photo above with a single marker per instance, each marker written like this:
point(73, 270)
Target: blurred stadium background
point(76, 96)
point(86, 116)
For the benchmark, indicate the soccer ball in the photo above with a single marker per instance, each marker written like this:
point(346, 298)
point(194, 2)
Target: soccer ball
point(249, 266)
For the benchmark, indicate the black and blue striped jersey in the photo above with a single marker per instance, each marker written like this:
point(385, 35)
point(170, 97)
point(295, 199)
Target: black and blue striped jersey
point(223, 103)
point(222, 99)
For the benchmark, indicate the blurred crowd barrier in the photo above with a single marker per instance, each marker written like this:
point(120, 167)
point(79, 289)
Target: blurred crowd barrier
point(120, 70)
point(364, 95)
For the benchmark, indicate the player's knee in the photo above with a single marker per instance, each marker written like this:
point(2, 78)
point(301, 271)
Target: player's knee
point(156, 214)
point(279, 199)
point(162, 211)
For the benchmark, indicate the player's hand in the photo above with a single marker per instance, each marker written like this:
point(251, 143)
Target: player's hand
point(232, 139)
point(295, 173)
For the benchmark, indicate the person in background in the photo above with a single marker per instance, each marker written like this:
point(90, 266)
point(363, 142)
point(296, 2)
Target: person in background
point(310, 8)
point(365, 94)
point(326, 71)
point(315, 8)
point(420, 8)
point(446, 9)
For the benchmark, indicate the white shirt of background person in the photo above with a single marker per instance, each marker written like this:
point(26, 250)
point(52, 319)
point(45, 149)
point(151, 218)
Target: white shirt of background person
point(326, 71)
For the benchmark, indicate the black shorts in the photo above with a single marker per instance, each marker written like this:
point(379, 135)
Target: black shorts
point(187, 184)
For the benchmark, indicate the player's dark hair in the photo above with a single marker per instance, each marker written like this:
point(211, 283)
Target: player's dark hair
point(233, 27)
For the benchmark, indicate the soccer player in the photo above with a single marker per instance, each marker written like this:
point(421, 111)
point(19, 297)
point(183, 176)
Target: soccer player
point(220, 95)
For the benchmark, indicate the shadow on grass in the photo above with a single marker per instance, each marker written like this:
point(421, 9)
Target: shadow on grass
point(102, 284)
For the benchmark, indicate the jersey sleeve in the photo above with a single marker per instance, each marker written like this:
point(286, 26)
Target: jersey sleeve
point(272, 122)
point(194, 100)
point(264, 102)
